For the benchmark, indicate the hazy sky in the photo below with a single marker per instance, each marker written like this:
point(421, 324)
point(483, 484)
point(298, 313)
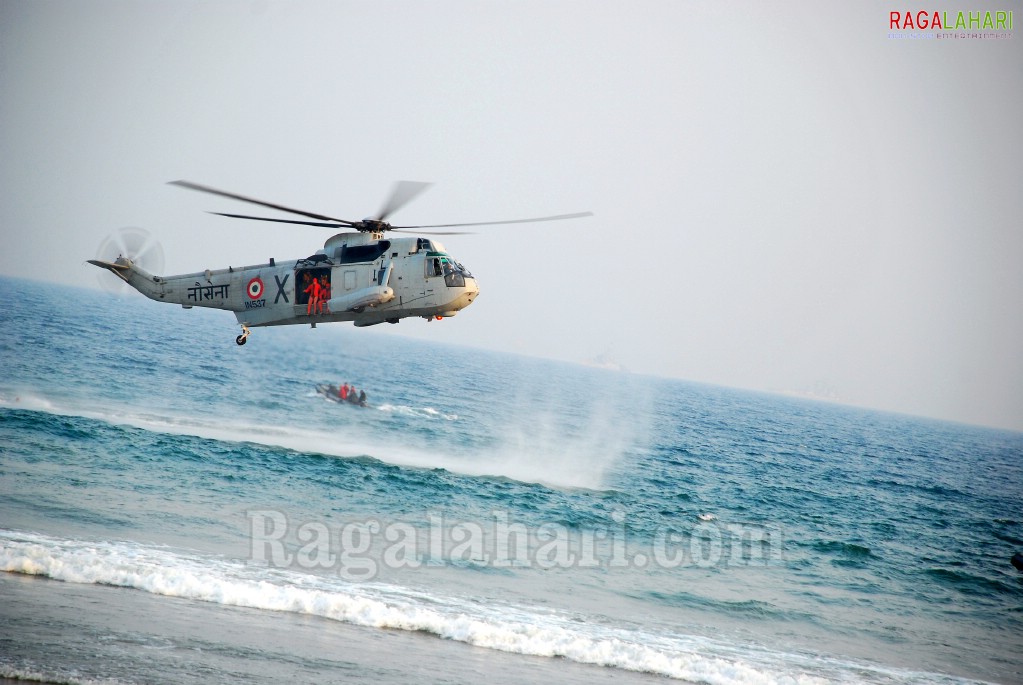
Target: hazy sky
point(785, 198)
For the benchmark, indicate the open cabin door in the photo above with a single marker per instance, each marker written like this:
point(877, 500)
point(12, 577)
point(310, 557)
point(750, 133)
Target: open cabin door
point(304, 283)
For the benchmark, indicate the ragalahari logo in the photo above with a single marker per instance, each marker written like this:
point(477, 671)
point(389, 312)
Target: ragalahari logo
point(925, 23)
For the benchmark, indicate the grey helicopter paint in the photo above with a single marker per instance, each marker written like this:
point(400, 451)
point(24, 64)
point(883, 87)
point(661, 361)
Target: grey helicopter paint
point(370, 279)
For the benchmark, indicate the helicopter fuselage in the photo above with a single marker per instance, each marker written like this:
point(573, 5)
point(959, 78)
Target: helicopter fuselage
point(363, 278)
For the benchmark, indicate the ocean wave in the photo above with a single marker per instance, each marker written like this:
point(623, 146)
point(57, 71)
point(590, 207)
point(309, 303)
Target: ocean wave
point(849, 549)
point(565, 465)
point(35, 674)
point(750, 608)
point(968, 583)
point(541, 633)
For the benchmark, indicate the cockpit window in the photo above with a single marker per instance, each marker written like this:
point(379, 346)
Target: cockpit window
point(433, 267)
point(454, 274)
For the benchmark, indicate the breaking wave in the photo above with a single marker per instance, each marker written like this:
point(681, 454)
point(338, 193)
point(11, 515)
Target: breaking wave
point(163, 571)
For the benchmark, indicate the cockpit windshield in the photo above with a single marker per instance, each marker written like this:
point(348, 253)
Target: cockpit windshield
point(439, 264)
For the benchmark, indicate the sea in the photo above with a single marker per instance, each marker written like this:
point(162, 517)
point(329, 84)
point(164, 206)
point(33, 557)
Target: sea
point(175, 508)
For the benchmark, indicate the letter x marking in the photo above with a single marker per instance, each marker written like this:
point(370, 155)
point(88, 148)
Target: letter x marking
point(280, 289)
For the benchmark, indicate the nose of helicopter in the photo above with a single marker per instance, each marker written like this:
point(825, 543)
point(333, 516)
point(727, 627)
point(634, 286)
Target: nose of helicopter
point(471, 291)
point(463, 299)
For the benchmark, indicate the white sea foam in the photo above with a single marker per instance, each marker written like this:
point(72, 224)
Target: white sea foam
point(163, 571)
point(26, 400)
point(424, 412)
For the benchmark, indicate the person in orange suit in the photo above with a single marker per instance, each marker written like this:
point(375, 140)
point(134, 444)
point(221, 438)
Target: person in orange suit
point(324, 294)
point(314, 296)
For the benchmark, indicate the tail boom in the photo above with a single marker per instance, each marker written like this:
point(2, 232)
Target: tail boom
point(191, 290)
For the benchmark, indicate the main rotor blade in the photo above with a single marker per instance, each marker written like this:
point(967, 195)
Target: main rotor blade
point(403, 193)
point(288, 221)
point(556, 217)
point(398, 230)
point(234, 196)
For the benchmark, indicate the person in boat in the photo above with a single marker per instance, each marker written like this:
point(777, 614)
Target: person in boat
point(342, 391)
point(362, 398)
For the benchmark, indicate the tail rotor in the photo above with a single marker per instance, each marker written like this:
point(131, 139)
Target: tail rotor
point(131, 243)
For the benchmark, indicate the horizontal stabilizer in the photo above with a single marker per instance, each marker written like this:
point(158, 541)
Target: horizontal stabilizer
point(110, 265)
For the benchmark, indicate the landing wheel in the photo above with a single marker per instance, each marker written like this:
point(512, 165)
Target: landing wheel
point(241, 339)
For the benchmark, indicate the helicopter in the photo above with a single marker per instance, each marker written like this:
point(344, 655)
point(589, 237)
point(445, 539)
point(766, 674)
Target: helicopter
point(359, 275)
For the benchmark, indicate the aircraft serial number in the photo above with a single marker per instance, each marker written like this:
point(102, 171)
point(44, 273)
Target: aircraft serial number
point(255, 304)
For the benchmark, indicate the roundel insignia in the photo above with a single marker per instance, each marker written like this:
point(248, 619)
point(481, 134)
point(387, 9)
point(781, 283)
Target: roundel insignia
point(255, 288)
